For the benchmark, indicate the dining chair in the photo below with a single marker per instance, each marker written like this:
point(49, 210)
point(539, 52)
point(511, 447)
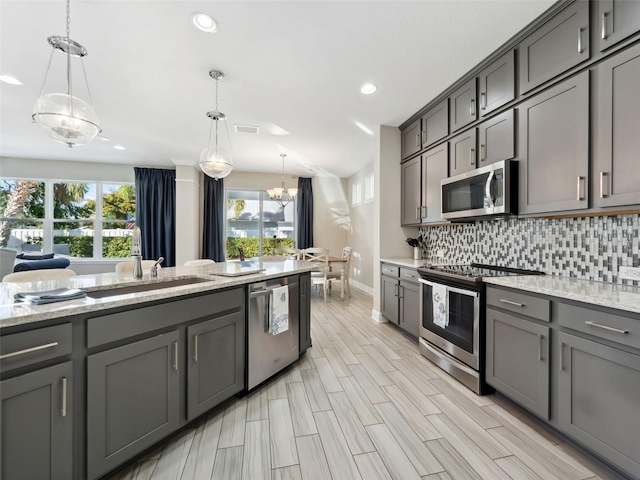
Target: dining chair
point(291, 253)
point(61, 248)
point(321, 257)
point(344, 267)
point(38, 275)
point(7, 260)
point(199, 263)
point(127, 267)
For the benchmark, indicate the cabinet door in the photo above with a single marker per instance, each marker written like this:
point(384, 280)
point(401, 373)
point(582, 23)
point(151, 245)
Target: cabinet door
point(216, 362)
point(435, 123)
point(463, 106)
point(409, 318)
point(617, 19)
point(389, 299)
point(37, 425)
point(132, 399)
point(554, 148)
point(411, 139)
point(598, 398)
point(305, 312)
point(463, 153)
point(559, 44)
point(497, 83)
point(496, 139)
point(518, 360)
point(435, 164)
point(411, 191)
point(618, 175)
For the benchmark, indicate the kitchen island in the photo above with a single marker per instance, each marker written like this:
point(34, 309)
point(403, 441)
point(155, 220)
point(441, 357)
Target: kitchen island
point(88, 384)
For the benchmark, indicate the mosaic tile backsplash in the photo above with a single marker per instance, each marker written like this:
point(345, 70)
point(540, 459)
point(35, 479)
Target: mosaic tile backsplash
point(589, 247)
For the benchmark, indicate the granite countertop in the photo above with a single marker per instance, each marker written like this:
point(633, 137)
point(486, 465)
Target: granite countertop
point(405, 262)
point(611, 295)
point(14, 313)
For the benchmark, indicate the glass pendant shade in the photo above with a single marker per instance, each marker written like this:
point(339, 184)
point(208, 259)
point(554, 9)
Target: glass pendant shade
point(215, 162)
point(66, 119)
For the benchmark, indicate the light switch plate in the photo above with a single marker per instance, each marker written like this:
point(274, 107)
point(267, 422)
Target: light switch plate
point(629, 273)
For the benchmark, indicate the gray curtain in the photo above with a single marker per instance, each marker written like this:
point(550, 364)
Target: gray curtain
point(213, 243)
point(305, 213)
point(156, 213)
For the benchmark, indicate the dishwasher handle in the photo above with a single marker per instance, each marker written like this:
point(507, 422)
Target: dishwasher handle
point(262, 292)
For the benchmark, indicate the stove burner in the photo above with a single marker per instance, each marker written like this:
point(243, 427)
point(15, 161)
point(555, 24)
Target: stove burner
point(474, 271)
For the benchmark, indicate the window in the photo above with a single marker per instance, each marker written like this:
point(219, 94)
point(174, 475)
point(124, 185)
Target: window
point(257, 223)
point(356, 193)
point(368, 187)
point(87, 220)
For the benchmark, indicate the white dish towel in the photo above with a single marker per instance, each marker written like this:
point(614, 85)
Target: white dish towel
point(279, 310)
point(439, 299)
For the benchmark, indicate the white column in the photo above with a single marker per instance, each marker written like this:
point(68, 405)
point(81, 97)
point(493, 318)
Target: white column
point(188, 212)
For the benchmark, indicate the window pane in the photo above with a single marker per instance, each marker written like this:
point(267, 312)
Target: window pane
point(74, 201)
point(116, 239)
point(118, 202)
point(277, 225)
point(21, 199)
point(16, 233)
point(78, 235)
point(243, 223)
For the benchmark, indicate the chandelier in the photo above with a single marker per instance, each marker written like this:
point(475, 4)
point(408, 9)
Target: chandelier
point(282, 195)
point(64, 117)
point(215, 161)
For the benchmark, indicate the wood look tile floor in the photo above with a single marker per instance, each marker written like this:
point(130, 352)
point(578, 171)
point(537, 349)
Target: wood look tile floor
point(362, 403)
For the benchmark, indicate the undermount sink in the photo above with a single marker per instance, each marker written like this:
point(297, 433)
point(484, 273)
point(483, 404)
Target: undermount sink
point(146, 287)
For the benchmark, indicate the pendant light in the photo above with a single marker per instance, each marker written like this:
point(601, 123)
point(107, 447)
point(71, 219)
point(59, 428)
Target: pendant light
point(282, 195)
point(216, 161)
point(64, 117)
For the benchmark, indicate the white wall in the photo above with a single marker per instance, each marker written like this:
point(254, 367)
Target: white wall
point(361, 234)
point(63, 170)
point(188, 214)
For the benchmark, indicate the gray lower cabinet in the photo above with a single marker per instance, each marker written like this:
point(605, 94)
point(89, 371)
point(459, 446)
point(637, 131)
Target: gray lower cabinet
point(598, 390)
point(497, 83)
point(409, 307)
point(37, 425)
point(559, 44)
point(617, 20)
point(215, 362)
point(517, 361)
point(411, 191)
point(435, 166)
point(435, 123)
point(496, 137)
point(400, 299)
point(463, 106)
point(389, 298)
point(411, 139)
point(132, 399)
point(305, 312)
point(617, 176)
point(554, 148)
point(462, 150)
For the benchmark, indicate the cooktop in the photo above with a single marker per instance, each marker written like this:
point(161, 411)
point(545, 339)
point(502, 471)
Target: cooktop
point(474, 271)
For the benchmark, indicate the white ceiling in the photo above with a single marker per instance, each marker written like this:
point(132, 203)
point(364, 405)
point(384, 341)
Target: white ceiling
point(291, 65)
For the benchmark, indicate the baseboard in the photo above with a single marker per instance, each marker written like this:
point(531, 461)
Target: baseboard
point(375, 315)
point(361, 286)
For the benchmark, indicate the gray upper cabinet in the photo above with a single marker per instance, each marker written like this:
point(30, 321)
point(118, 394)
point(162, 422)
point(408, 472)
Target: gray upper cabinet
point(411, 193)
point(216, 362)
point(463, 153)
point(617, 176)
point(617, 20)
point(463, 105)
point(37, 425)
point(598, 390)
point(554, 148)
point(497, 83)
point(496, 139)
point(435, 123)
point(411, 139)
point(435, 164)
point(559, 44)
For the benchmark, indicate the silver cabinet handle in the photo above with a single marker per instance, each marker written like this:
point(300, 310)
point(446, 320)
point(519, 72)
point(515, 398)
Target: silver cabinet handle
point(401, 295)
point(580, 194)
point(417, 213)
point(397, 291)
point(512, 303)
point(606, 327)
point(604, 26)
point(540, 354)
point(483, 101)
point(195, 348)
point(63, 411)
point(408, 275)
point(175, 356)
point(29, 350)
point(472, 107)
point(602, 194)
point(580, 39)
point(562, 356)
point(424, 211)
point(418, 141)
point(483, 152)
point(472, 154)
point(424, 136)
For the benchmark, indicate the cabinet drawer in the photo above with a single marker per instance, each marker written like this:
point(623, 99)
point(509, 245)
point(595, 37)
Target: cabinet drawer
point(390, 270)
point(608, 326)
point(409, 274)
point(24, 348)
point(535, 307)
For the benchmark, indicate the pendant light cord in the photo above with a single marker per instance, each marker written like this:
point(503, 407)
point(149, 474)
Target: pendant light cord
point(69, 79)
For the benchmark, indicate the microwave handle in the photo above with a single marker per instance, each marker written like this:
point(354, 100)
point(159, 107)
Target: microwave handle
point(487, 188)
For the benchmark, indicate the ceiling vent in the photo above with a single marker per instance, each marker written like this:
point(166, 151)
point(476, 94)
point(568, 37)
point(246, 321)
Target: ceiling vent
point(247, 129)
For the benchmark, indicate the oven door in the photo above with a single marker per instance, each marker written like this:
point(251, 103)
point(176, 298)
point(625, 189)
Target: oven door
point(454, 324)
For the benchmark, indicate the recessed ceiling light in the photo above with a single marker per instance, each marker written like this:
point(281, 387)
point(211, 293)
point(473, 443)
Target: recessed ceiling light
point(10, 80)
point(368, 88)
point(204, 22)
point(119, 147)
point(363, 128)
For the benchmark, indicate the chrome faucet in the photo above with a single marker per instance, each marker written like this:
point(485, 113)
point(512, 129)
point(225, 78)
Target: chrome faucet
point(136, 252)
point(154, 269)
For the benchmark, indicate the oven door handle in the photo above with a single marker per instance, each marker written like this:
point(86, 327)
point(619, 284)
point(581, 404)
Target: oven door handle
point(469, 293)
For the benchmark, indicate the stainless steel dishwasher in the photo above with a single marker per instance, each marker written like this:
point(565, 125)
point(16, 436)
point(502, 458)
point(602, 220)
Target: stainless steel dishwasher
point(267, 353)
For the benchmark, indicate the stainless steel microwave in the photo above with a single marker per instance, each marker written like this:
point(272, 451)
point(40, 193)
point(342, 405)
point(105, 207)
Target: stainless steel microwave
point(483, 192)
